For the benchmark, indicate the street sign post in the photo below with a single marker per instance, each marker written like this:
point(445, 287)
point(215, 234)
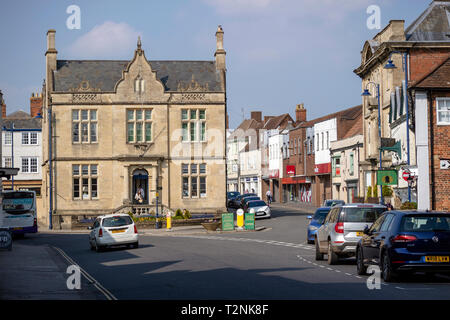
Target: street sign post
point(240, 219)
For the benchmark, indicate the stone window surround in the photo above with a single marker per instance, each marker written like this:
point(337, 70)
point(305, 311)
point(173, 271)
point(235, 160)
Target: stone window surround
point(144, 120)
point(198, 123)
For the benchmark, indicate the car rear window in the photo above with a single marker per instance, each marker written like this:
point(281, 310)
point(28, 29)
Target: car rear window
point(118, 221)
point(362, 214)
point(425, 223)
point(320, 215)
point(257, 204)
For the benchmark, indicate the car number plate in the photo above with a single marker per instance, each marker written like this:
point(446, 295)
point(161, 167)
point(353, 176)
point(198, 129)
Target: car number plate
point(359, 233)
point(17, 229)
point(437, 259)
point(118, 231)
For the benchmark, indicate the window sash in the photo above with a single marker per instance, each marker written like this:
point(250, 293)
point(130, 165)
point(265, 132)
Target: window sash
point(8, 137)
point(25, 139)
point(25, 165)
point(443, 111)
point(194, 187)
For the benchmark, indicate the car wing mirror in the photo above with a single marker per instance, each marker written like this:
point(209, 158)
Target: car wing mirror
point(309, 217)
point(366, 230)
point(90, 228)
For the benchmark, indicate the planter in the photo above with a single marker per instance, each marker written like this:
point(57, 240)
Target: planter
point(211, 226)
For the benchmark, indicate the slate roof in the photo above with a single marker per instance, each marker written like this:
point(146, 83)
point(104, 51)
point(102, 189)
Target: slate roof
point(432, 25)
point(275, 122)
point(348, 114)
point(21, 120)
point(103, 75)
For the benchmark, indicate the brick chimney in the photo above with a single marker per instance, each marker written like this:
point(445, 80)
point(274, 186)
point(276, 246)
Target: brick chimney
point(300, 113)
point(35, 104)
point(256, 115)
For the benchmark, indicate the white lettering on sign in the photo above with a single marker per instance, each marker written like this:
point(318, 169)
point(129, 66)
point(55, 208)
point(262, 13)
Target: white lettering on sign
point(445, 164)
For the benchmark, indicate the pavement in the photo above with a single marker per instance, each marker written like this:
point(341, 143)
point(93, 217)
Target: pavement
point(298, 206)
point(31, 272)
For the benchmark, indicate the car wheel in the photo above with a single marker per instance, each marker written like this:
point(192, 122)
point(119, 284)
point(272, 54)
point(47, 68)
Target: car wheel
point(97, 247)
point(135, 245)
point(319, 256)
point(91, 246)
point(360, 267)
point(332, 256)
point(386, 268)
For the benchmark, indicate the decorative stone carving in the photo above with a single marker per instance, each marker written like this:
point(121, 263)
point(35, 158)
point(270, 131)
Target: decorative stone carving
point(85, 97)
point(84, 86)
point(192, 86)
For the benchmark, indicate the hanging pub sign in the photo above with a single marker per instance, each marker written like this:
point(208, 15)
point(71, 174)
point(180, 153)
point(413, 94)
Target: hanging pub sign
point(387, 177)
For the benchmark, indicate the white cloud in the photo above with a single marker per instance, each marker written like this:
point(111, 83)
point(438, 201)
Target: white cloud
point(108, 40)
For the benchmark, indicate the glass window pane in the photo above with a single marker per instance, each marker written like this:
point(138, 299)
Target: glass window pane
point(75, 115)
point(202, 114)
point(148, 132)
point(24, 137)
point(130, 132)
point(193, 114)
point(93, 115)
point(85, 188)
point(194, 191)
point(33, 165)
point(139, 132)
point(185, 187)
point(193, 131)
point(94, 169)
point(25, 165)
point(93, 131)
point(84, 114)
point(76, 169)
point(203, 132)
point(184, 169)
point(138, 114)
point(202, 187)
point(76, 187)
point(33, 138)
point(130, 114)
point(94, 187)
point(148, 114)
point(203, 168)
point(76, 132)
point(85, 169)
point(84, 132)
point(185, 132)
point(193, 169)
point(184, 114)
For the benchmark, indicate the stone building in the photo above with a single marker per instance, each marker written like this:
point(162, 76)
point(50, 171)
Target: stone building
point(133, 135)
point(392, 61)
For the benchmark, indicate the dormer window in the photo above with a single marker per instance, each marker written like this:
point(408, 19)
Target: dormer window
point(139, 85)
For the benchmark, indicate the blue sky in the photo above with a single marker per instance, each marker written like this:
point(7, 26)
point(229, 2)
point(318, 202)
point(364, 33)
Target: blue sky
point(279, 52)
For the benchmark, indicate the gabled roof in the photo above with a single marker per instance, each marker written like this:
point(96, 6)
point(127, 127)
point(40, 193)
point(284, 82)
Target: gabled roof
point(432, 25)
point(439, 77)
point(21, 120)
point(102, 75)
point(356, 129)
point(246, 125)
point(348, 114)
point(275, 122)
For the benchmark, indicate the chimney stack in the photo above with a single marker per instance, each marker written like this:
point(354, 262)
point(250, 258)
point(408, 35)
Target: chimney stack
point(256, 115)
point(220, 52)
point(35, 104)
point(300, 113)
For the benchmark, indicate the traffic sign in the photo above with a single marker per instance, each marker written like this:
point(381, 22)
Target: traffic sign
point(406, 175)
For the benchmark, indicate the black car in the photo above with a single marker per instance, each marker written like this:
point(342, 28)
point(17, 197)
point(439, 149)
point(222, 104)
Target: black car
point(406, 241)
point(247, 199)
point(231, 195)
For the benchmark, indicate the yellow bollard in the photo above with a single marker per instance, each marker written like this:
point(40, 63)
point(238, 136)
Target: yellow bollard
point(169, 220)
point(240, 219)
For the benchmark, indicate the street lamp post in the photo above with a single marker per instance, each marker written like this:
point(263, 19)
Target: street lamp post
point(366, 93)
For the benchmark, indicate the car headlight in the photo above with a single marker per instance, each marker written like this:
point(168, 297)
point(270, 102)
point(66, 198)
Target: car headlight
point(313, 228)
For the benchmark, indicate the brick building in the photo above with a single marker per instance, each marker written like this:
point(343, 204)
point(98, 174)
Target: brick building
point(431, 103)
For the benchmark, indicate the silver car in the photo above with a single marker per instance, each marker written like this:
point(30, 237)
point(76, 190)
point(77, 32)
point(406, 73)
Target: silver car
point(342, 229)
point(259, 208)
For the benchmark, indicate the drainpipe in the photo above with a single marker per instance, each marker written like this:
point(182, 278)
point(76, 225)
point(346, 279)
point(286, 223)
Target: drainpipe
point(407, 119)
point(50, 143)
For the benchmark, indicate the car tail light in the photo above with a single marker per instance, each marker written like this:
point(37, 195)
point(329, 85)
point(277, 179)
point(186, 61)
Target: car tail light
point(404, 238)
point(35, 222)
point(100, 232)
point(135, 229)
point(339, 227)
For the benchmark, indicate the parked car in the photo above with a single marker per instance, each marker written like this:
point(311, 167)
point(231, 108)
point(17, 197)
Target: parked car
point(406, 241)
point(236, 202)
point(342, 229)
point(316, 221)
point(259, 207)
point(113, 230)
point(332, 203)
point(247, 199)
point(231, 195)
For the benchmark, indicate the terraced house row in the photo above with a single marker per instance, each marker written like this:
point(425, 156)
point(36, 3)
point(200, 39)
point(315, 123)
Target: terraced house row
point(367, 152)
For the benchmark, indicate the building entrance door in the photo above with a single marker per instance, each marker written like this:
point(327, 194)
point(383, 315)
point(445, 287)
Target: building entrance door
point(140, 187)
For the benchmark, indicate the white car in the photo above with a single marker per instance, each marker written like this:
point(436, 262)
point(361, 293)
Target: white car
point(259, 208)
point(113, 230)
